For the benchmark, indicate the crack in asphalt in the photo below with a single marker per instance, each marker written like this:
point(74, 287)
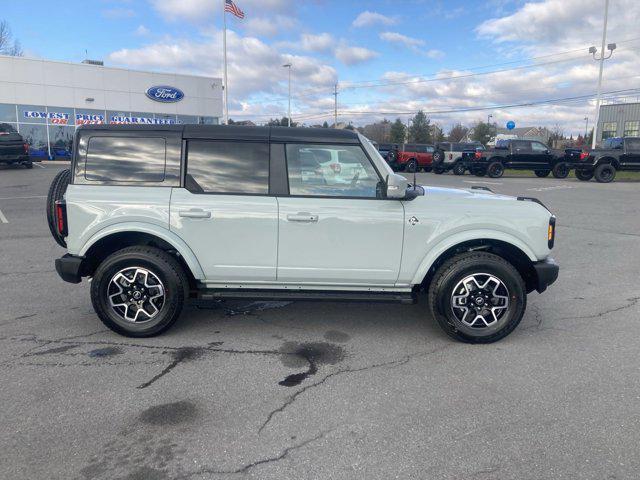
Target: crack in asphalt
point(245, 468)
point(633, 301)
point(393, 363)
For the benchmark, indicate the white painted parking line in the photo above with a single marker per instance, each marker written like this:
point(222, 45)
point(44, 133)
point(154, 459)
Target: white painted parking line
point(38, 165)
point(23, 198)
point(482, 181)
point(3, 219)
point(554, 187)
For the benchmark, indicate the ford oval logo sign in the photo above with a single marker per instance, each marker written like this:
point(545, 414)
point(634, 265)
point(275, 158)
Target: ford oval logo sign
point(165, 94)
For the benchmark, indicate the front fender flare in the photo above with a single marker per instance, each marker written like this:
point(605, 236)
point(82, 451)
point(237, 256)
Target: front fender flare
point(462, 237)
point(140, 227)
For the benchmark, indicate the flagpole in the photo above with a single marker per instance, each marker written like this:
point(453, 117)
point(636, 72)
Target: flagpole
point(224, 47)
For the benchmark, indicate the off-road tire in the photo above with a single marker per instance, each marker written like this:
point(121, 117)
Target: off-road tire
point(438, 170)
point(57, 190)
point(583, 176)
point(162, 265)
point(28, 165)
point(495, 170)
point(411, 166)
point(459, 168)
point(455, 269)
point(605, 173)
point(542, 173)
point(561, 170)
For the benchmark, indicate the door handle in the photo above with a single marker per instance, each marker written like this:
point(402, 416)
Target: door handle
point(303, 217)
point(194, 213)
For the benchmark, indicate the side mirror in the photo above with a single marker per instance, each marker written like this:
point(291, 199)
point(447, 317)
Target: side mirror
point(396, 186)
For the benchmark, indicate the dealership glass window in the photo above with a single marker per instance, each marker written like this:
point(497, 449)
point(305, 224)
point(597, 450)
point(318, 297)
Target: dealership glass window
point(7, 112)
point(632, 129)
point(60, 140)
point(609, 129)
point(165, 119)
point(227, 167)
point(36, 137)
point(32, 114)
point(89, 116)
point(124, 116)
point(60, 116)
point(208, 120)
point(126, 159)
point(187, 119)
point(142, 118)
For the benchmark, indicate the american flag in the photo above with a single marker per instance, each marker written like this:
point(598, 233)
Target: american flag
point(231, 7)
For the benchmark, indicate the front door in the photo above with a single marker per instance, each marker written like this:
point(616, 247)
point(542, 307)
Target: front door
point(631, 158)
point(541, 156)
point(224, 212)
point(334, 229)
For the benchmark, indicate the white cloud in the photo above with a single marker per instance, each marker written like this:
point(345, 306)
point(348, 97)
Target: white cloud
point(269, 26)
point(354, 55)
point(435, 54)
point(367, 19)
point(395, 37)
point(316, 43)
point(142, 31)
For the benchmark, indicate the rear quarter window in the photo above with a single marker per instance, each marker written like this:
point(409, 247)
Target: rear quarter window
point(126, 159)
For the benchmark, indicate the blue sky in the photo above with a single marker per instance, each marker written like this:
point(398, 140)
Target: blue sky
point(429, 51)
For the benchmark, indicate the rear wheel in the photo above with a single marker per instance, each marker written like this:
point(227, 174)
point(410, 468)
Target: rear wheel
point(477, 297)
point(57, 190)
point(542, 173)
point(438, 170)
point(560, 170)
point(583, 175)
point(28, 164)
point(139, 291)
point(605, 173)
point(495, 170)
point(411, 166)
point(458, 168)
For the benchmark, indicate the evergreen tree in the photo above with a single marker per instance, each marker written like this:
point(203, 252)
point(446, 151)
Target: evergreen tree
point(420, 129)
point(398, 131)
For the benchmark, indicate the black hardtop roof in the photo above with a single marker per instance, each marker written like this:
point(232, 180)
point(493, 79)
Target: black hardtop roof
point(236, 132)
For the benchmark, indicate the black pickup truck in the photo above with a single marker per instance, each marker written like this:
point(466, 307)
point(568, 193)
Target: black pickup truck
point(518, 155)
point(13, 149)
point(602, 163)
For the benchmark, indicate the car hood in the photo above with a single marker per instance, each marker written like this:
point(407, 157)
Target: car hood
point(460, 193)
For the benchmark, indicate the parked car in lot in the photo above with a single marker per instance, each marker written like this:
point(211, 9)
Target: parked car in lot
point(156, 214)
point(602, 163)
point(13, 149)
point(411, 157)
point(385, 148)
point(448, 156)
point(520, 155)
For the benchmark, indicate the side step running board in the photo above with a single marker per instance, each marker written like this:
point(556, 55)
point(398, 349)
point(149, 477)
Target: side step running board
point(308, 295)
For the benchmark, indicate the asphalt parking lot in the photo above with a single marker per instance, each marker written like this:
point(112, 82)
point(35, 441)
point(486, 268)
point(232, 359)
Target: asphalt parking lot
point(383, 393)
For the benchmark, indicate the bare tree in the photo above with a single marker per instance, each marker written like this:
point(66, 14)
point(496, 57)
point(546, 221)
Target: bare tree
point(8, 45)
point(457, 133)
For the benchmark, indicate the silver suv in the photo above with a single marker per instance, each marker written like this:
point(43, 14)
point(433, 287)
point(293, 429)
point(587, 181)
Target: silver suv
point(156, 215)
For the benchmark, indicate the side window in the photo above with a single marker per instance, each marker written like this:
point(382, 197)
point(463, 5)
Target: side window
point(126, 159)
point(633, 144)
point(227, 167)
point(538, 147)
point(330, 171)
point(521, 145)
point(430, 149)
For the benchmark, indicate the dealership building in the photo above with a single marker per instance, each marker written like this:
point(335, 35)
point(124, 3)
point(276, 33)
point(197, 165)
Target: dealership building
point(46, 100)
point(618, 119)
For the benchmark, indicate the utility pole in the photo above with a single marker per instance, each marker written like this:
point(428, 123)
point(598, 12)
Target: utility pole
point(593, 50)
point(288, 65)
point(335, 106)
point(586, 127)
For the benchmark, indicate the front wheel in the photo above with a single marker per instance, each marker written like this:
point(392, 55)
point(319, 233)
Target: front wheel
point(560, 170)
point(495, 170)
point(458, 168)
point(477, 297)
point(583, 175)
point(139, 291)
point(542, 173)
point(605, 173)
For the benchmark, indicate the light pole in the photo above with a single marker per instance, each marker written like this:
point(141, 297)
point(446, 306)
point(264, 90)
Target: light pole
point(489, 117)
point(288, 65)
point(586, 127)
point(593, 50)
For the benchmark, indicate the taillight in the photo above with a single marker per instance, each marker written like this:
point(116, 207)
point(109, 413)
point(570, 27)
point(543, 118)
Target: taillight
point(336, 167)
point(583, 155)
point(478, 155)
point(450, 156)
point(26, 147)
point(61, 217)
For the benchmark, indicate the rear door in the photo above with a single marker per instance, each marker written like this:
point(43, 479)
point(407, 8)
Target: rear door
point(335, 229)
point(520, 153)
point(632, 154)
point(224, 211)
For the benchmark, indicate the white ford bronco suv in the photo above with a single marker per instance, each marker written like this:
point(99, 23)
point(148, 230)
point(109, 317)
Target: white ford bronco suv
point(156, 215)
